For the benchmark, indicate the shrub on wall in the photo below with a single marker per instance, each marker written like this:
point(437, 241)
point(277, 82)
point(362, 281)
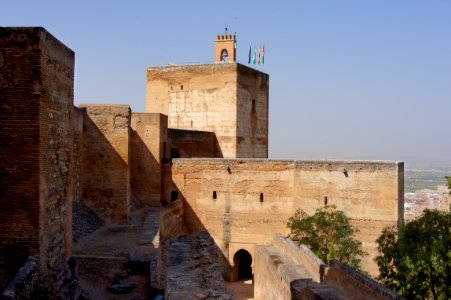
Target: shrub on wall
point(329, 234)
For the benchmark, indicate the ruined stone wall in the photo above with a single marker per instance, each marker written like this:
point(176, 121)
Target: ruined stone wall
point(36, 96)
point(148, 144)
point(252, 113)
point(247, 201)
point(106, 139)
point(193, 271)
point(197, 97)
point(190, 143)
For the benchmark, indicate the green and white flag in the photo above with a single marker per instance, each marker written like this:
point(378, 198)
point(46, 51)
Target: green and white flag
point(254, 61)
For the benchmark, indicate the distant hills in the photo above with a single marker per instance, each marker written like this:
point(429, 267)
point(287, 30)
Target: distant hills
point(425, 178)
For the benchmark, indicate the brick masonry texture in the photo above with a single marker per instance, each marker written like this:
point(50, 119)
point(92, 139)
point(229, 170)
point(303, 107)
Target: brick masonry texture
point(36, 99)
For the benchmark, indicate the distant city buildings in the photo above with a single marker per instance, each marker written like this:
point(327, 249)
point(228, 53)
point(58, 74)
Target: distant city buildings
point(416, 202)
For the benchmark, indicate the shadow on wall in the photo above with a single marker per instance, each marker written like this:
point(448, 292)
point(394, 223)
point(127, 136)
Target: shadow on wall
point(193, 143)
point(192, 223)
point(105, 188)
point(145, 175)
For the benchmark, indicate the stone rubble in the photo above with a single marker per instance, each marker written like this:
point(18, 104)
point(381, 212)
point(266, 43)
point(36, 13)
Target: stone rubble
point(193, 270)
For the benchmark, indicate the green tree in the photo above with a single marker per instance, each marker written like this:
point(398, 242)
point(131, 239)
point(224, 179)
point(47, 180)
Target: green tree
point(448, 178)
point(417, 263)
point(329, 234)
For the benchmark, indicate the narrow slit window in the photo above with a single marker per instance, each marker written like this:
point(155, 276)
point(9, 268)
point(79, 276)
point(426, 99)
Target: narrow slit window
point(325, 200)
point(181, 87)
point(261, 197)
point(215, 196)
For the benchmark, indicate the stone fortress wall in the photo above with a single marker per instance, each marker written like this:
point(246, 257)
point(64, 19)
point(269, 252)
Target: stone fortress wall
point(113, 160)
point(228, 99)
point(36, 186)
point(244, 201)
point(106, 168)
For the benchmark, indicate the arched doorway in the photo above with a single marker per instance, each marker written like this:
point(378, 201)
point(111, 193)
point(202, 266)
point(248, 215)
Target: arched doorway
point(242, 261)
point(175, 153)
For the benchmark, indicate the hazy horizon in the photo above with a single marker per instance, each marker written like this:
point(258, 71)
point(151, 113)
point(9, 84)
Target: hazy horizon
point(348, 79)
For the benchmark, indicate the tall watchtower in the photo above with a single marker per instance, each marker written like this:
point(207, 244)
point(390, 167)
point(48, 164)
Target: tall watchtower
point(229, 99)
point(225, 47)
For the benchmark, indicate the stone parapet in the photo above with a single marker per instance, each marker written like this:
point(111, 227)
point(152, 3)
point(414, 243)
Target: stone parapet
point(361, 286)
point(301, 255)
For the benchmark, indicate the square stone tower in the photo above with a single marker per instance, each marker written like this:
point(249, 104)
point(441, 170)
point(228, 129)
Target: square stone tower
point(36, 100)
point(226, 98)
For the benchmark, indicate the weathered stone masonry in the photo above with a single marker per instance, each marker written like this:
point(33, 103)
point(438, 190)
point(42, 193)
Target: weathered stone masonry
point(36, 100)
point(113, 161)
point(228, 99)
point(245, 200)
point(106, 139)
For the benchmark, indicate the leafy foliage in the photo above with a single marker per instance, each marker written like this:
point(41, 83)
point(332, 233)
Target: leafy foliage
point(329, 234)
point(417, 264)
point(448, 178)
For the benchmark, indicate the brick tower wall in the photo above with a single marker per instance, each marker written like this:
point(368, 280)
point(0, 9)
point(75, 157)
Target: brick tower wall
point(55, 148)
point(36, 97)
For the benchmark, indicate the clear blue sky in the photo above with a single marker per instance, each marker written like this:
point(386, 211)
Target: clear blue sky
point(348, 79)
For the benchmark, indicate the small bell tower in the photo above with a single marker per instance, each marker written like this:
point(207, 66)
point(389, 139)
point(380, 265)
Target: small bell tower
point(225, 48)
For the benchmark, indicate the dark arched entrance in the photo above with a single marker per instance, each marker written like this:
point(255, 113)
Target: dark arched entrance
point(174, 196)
point(243, 265)
point(175, 153)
